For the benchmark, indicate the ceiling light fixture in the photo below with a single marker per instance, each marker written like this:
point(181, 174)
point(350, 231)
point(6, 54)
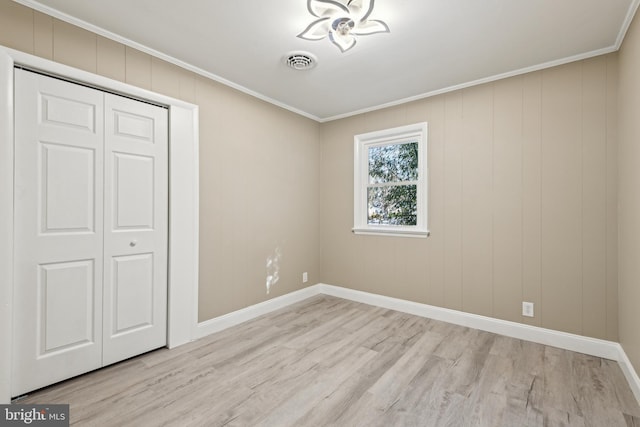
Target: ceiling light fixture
point(342, 20)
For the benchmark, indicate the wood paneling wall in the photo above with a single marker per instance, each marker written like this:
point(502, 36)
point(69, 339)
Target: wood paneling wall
point(259, 164)
point(522, 193)
point(522, 202)
point(629, 197)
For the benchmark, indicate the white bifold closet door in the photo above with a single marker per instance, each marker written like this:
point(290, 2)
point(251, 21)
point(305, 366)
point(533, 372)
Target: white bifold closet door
point(90, 285)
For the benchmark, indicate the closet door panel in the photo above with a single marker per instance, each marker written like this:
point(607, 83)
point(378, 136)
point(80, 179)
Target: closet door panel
point(58, 230)
point(136, 182)
point(91, 207)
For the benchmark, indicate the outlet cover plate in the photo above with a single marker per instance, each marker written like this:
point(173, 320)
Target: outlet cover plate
point(527, 309)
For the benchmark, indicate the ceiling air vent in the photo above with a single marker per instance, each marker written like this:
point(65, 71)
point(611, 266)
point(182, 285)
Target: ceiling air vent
point(300, 60)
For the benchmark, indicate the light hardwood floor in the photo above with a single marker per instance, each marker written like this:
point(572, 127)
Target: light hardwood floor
point(328, 361)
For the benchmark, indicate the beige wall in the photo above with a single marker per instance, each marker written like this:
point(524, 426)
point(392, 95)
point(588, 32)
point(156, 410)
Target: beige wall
point(629, 204)
point(522, 203)
point(523, 189)
point(259, 164)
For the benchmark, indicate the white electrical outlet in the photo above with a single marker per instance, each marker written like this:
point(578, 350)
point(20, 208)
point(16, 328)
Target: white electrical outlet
point(527, 309)
point(305, 277)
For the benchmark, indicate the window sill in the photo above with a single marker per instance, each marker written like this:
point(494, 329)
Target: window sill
point(422, 234)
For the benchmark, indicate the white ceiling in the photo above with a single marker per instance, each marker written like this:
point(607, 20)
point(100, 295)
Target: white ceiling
point(434, 45)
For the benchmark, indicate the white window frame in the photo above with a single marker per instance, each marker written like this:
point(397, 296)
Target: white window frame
point(399, 135)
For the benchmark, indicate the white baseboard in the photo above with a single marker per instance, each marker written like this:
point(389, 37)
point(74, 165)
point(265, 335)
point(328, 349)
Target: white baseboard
point(629, 372)
point(236, 317)
point(578, 343)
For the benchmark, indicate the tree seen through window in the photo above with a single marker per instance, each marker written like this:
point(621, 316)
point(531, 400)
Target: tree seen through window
point(392, 186)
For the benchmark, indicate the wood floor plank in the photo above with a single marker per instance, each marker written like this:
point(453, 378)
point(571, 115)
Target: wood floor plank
point(331, 362)
point(391, 384)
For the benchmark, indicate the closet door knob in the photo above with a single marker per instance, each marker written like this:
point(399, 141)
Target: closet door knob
point(133, 243)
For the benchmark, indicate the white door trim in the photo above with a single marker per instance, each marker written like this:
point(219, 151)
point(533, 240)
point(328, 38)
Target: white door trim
point(183, 202)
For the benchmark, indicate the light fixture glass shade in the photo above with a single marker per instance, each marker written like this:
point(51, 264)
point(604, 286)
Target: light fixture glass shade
point(342, 21)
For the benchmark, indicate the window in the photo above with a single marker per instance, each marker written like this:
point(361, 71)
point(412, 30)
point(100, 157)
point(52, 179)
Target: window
point(390, 182)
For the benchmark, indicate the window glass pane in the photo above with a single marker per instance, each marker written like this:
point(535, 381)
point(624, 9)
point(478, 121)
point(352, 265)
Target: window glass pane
point(393, 163)
point(392, 205)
